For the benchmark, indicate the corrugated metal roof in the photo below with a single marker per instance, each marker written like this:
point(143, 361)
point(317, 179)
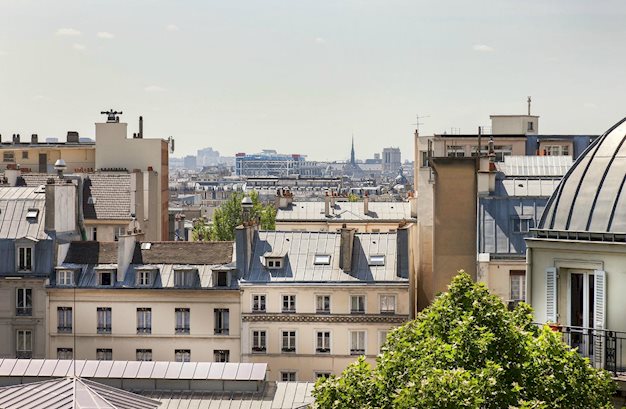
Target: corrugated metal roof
point(281, 395)
point(15, 202)
point(133, 369)
point(535, 165)
point(300, 249)
point(523, 187)
point(71, 393)
point(346, 211)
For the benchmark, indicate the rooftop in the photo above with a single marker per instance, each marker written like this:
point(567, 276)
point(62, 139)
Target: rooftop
point(346, 211)
point(106, 196)
point(535, 165)
point(22, 211)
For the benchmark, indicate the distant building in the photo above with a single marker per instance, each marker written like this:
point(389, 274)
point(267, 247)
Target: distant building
point(268, 163)
point(392, 160)
point(207, 157)
point(189, 162)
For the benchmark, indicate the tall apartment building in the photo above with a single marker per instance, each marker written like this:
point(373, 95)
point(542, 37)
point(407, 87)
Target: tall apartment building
point(312, 302)
point(131, 300)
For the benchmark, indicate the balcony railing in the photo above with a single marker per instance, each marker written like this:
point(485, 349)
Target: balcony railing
point(604, 348)
point(64, 329)
point(144, 330)
point(23, 311)
point(357, 351)
point(221, 331)
point(104, 330)
point(182, 330)
point(24, 354)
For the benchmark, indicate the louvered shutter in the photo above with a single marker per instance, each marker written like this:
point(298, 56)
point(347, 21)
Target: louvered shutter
point(551, 294)
point(599, 314)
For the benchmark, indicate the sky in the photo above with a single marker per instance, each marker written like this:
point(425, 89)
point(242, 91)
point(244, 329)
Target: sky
point(303, 76)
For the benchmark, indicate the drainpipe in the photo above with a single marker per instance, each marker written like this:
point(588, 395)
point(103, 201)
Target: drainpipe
point(529, 263)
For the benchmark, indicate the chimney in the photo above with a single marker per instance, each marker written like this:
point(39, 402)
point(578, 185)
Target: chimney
point(402, 252)
point(12, 175)
point(34, 139)
point(244, 245)
point(125, 250)
point(366, 204)
point(61, 206)
point(137, 196)
point(180, 228)
point(72, 137)
point(346, 246)
point(16, 138)
point(326, 205)
point(140, 134)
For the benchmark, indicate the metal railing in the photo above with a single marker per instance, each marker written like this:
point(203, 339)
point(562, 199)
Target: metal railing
point(604, 348)
point(23, 311)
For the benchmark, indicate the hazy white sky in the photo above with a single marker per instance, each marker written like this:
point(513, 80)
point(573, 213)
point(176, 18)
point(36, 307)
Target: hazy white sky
point(301, 76)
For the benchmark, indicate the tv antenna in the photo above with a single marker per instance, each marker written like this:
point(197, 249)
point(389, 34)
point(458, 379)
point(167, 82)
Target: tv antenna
point(112, 116)
point(418, 123)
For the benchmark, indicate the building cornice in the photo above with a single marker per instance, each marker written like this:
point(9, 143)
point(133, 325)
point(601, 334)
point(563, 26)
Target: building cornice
point(328, 318)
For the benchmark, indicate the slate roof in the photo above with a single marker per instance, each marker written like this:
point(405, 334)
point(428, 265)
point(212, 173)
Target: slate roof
point(15, 203)
point(106, 196)
point(33, 179)
point(166, 252)
point(346, 211)
point(300, 249)
point(591, 197)
point(71, 393)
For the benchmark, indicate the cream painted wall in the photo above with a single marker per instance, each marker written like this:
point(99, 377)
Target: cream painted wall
point(124, 339)
point(496, 274)
point(75, 157)
point(514, 124)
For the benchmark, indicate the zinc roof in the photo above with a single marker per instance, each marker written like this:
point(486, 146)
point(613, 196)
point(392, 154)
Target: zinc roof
point(346, 211)
point(15, 203)
point(535, 165)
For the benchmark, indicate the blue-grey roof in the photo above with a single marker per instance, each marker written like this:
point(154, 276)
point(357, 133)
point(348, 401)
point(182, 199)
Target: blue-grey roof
point(526, 187)
point(15, 203)
point(591, 197)
point(300, 248)
point(346, 212)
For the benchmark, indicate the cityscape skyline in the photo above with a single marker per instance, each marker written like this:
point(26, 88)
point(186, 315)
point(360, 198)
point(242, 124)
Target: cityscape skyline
point(301, 77)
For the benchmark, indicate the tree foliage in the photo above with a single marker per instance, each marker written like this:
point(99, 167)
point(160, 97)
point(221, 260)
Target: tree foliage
point(230, 215)
point(201, 230)
point(468, 351)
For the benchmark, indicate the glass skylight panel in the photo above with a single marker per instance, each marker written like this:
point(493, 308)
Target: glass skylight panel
point(32, 214)
point(322, 259)
point(377, 260)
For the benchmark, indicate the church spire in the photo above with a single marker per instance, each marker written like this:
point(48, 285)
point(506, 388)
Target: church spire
point(352, 158)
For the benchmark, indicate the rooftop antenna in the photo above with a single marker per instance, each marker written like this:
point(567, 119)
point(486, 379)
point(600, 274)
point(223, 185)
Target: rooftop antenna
point(112, 116)
point(418, 123)
point(529, 101)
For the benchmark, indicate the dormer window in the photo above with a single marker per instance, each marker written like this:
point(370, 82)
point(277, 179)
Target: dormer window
point(274, 262)
point(376, 260)
point(105, 278)
point(65, 277)
point(185, 278)
point(25, 259)
point(322, 259)
point(221, 279)
point(144, 278)
point(32, 215)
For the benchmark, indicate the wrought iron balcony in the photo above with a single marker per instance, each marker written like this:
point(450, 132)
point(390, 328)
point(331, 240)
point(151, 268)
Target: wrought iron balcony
point(64, 329)
point(24, 311)
point(104, 330)
point(182, 330)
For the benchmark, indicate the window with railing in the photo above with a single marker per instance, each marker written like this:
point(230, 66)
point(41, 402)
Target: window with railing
point(143, 355)
point(24, 344)
point(259, 339)
point(357, 304)
point(322, 304)
point(182, 355)
point(258, 303)
point(24, 302)
point(144, 320)
point(104, 354)
point(289, 303)
point(221, 355)
point(221, 318)
point(104, 320)
point(323, 342)
point(182, 320)
point(65, 353)
point(289, 341)
point(25, 259)
point(64, 320)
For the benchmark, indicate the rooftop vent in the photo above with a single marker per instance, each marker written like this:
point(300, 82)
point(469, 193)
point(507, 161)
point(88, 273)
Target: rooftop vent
point(32, 214)
point(72, 137)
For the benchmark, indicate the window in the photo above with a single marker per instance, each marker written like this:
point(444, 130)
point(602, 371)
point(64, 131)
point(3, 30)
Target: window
point(455, 151)
point(518, 285)
point(92, 233)
point(288, 341)
point(185, 278)
point(220, 279)
point(119, 231)
point(258, 303)
point(24, 154)
point(288, 376)
point(143, 355)
point(221, 321)
point(484, 150)
point(221, 355)
point(105, 278)
point(376, 260)
point(65, 353)
point(144, 278)
point(25, 259)
point(357, 304)
point(144, 320)
point(104, 354)
point(322, 375)
point(24, 302)
point(182, 355)
point(521, 224)
point(32, 215)
point(104, 320)
point(182, 320)
point(424, 161)
point(357, 343)
point(323, 342)
point(322, 259)
point(501, 151)
point(274, 263)
point(382, 340)
point(531, 126)
point(8, 157)
point(65, 278)
point(556, 150)
point(64, 320)
point(323, 304)
point(24, 346)
point(289, 303)
point(259, 341)
point(387, 304)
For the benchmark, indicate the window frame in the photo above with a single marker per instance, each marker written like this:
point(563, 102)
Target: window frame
point(291, 301)
point(62, 278)
point(182, 326)
point(521, 276)
point(25, 307)
point(26, 342)
point(142, 353)
point(387, 311)
point(221, 317)
point(258, 339)
point(382, 339)
point(355, 350)
point(326, 338)
point(221, 352)
point(363, 297)
point(104, 354)
point(182, 355)
point(289, 376)
point(321, 259)
point(63, 351)
point(8, 157)
point(262, 302)
point(144, 277)
point(65, 320)
point(26, 252)
point(107, 321)
point(101, 274)
point(291, 346)
point(326, 304)
point(144, 316)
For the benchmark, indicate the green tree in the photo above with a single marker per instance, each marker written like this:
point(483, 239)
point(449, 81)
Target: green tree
point(468, 351)
point(201, 230)
point(230, 215)
point(353, 197)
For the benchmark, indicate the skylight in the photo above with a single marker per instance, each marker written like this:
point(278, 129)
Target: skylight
point(32, 214)
point(322, 259)
point(377, 260)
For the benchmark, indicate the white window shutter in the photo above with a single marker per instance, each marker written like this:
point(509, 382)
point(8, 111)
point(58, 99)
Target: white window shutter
point(551, 294)
point(599, 316)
